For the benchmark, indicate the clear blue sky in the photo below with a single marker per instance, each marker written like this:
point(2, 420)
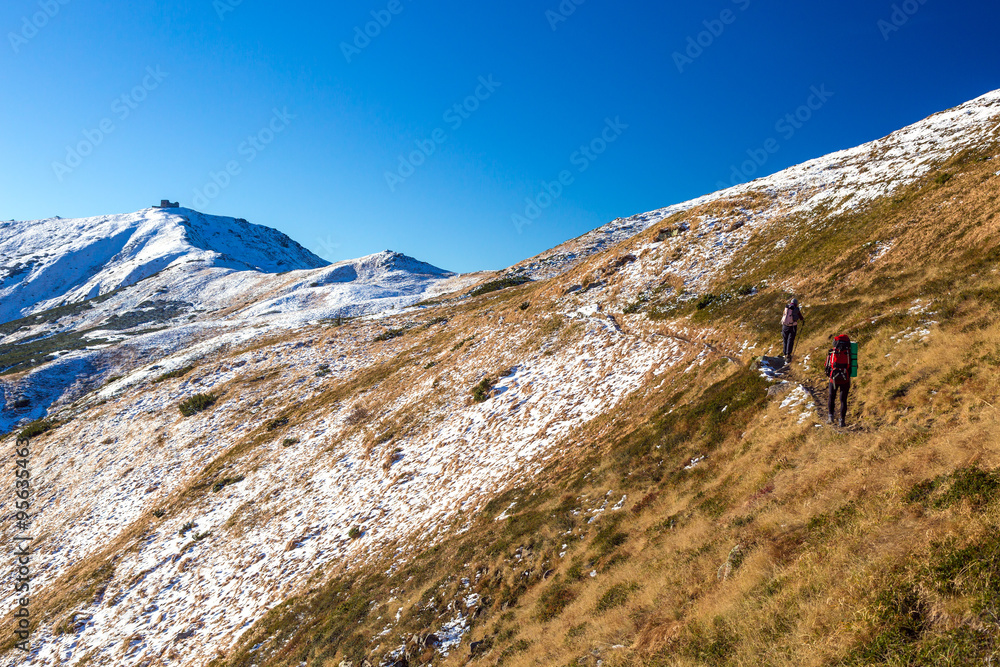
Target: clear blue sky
point(201, 77)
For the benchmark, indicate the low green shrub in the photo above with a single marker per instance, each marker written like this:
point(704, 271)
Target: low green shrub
point(389, 334)
point(277, 423)
point(502, 283)
point(553, 601)
point(616, 596)
point(481, 392)
point(35, 429)
point(180, 372)
point(197, 403)
point(977, 487)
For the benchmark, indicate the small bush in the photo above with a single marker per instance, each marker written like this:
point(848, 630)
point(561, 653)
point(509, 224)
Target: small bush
point(462, 342)
point(481, 392)
point(35, 429)
point(186, 528)
point(977, 487)
point(288, 442)
point(616, 596)
point(899, 391)
point(502, 283)
point(389, 334)
point(553, 601)
point(277, 423)
point(354, 533)
point(608, 539)
point(520, 646)
point(942, 178)
point(180, 372)
point(159, 514)
point(706, 301)
point(634, 307)
point(647, 500)
point(197, 403)
point(525, 306)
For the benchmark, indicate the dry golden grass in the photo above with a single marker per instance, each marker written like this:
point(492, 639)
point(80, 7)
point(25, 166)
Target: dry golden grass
point(830, 540)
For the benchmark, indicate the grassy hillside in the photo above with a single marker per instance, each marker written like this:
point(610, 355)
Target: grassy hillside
point(434, 487)
point(745, 533)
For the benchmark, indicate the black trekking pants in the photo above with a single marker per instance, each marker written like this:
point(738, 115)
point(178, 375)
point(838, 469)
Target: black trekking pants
point(844, 390)
point(788, 336)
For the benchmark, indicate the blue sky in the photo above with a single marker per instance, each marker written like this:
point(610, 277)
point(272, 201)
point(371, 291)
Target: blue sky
point(291, 116)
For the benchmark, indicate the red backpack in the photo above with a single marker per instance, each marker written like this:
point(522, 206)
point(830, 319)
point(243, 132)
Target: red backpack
point(838, 363)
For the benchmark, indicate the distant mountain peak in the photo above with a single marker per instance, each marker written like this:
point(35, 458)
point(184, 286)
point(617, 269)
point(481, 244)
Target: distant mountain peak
point(53, 261)
point(396, 261)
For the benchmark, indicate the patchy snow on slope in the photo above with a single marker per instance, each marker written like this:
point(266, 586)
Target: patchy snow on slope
point(260, 538)
point(188, 586)
point(840, 181)
point(799, 401)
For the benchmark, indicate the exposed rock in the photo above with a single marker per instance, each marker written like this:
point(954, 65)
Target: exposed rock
point(733, 562)
point(779, 389)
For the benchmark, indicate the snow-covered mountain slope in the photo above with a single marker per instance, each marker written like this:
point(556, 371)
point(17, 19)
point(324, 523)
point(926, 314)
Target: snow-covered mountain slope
point(332, 479)
point(185, 531)
point(51, 262)
point(86, 294)
point(837, 182)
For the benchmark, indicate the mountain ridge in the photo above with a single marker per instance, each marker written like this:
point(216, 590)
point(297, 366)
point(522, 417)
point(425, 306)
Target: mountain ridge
point(585, 466)
point(104, 253)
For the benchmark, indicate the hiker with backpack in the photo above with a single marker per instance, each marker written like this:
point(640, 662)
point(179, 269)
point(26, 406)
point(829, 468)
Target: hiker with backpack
point(841, 366)
point(789, 327)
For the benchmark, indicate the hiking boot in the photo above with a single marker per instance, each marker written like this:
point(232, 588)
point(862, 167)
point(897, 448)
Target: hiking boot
point(842, 424)
point(829, 419)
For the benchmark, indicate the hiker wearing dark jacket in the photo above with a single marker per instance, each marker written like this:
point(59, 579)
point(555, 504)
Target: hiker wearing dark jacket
point(790, 326)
